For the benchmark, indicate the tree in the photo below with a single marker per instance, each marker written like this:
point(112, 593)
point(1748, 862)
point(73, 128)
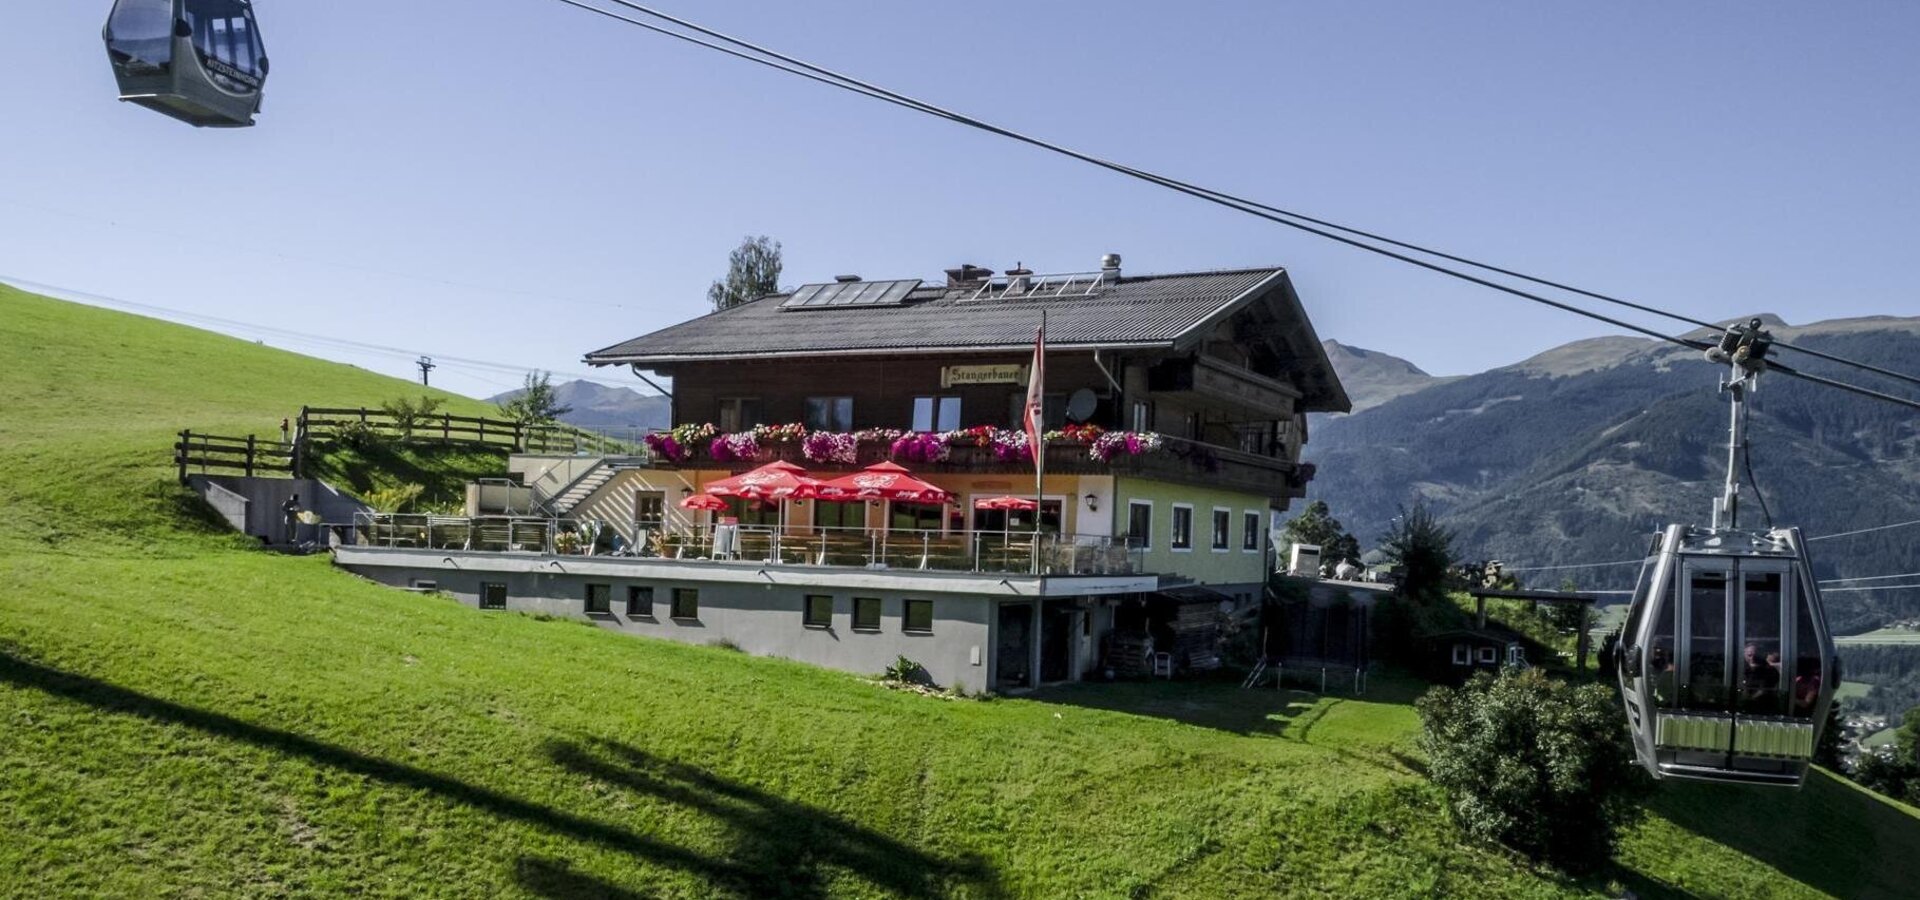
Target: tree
point(1317, 526)
point(1534, 763)
point(1423, 548)
point(753, 271)
point(408, 414)
point(536, 403)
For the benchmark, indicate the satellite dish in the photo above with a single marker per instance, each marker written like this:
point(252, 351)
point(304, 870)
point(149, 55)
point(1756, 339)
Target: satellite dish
point(1081, 405)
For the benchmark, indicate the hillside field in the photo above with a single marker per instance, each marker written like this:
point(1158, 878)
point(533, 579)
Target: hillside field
point(184, 715)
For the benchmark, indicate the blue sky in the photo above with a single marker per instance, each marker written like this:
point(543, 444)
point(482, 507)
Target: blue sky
point(519, 182)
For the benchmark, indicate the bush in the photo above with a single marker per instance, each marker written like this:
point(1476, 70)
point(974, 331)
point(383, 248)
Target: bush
point(904, 671)
point(397, 499)
point(1535, 764)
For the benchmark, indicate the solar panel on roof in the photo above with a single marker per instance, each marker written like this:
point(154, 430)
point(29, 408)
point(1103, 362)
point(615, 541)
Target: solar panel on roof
point(851, 293)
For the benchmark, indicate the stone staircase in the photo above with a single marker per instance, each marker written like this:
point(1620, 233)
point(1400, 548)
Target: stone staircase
point(563, 502)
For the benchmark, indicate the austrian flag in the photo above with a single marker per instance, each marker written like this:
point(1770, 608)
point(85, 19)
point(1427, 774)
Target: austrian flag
point(1035, 416)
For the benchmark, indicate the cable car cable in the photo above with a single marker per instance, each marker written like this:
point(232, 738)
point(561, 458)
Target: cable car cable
point(1872, 578)
point(813, 72)
point(1828, 537)
point(1864, 392)
point(1884, 587)
point(1214, 197)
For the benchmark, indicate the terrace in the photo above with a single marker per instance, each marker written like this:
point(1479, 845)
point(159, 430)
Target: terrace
point(979, 552)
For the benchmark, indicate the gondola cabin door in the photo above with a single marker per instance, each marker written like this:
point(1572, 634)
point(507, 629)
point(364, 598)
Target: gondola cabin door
point(1732, 669)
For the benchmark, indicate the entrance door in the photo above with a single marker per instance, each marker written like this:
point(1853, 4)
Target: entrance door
point(1013, 647)
point(649, 515)
point(1056, 642)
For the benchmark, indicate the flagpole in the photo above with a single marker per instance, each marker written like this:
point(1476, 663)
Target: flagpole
point(1040, 437)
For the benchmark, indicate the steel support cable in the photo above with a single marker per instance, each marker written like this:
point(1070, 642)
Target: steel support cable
point(793, 66)
point(811, 71)
point(1828, 537)
point(1201, 193)
point(1851, 388)
point(1871, 578)
point(1884, 587)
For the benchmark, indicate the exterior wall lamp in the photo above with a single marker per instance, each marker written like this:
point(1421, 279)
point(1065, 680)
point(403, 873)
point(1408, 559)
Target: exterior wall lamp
point(1093, 503)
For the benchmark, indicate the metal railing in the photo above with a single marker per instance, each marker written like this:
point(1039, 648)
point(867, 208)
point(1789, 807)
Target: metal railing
point(1000, 552)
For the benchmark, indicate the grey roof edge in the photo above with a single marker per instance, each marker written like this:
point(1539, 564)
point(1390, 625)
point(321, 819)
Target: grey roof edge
point(944, 350)
point(1279, 280)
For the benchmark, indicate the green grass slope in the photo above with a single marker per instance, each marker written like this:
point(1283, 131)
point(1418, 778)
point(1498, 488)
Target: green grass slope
point(181, 715)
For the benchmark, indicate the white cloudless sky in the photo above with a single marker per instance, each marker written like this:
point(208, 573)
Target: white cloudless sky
point(520, 182)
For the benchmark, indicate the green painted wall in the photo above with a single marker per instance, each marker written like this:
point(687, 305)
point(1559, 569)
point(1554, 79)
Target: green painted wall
point(1202, 563)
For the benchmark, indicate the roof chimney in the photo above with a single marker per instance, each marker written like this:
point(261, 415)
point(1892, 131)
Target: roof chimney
point(1019, 280)
point(846, 279)
point(968, 275)
point(1110, 267)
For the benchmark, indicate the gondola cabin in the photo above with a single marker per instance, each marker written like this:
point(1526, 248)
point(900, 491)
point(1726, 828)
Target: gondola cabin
point(199, 61)
point(1727, 667)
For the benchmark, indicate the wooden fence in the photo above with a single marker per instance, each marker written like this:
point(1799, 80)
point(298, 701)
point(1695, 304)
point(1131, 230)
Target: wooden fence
point(316, 421)
point(248, 455)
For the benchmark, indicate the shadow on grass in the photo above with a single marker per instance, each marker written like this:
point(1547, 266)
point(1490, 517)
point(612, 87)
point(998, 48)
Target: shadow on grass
point(1220, 703)
point(786, 849)
point(1830, 835)
point(777, 833)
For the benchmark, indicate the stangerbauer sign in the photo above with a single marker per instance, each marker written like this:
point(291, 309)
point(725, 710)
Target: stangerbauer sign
point(959, 376)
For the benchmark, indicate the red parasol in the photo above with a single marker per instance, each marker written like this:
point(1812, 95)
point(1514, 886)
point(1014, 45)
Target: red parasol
point(773, 481)
point(1022, 503)
point(703, 501)
point(883, 481)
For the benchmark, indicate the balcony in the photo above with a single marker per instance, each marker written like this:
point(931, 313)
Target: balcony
point(1177, 460)
point(994, 552)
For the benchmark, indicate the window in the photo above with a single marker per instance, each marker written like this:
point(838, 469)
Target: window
point(830, 414)
point(1182, 527)
point(1488, 656)
point(739, 413)
point(1190, 426)
point(425, 586)
point(1142, 418)
point(866, 613)
point(916, 517)
point(818, 611)
point(493, 595)
point(1053, 411)
point(936, 413)
point(686, 603)
point(599, 599)
point(839, 515)
point(1222, 525)
point(1462, 655)
point(919, 618)
point(1140, 524)
point(1250, 541)
point(639, 602)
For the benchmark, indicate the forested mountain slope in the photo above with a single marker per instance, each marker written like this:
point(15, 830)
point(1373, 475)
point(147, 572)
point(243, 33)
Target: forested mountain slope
point(1578, 455)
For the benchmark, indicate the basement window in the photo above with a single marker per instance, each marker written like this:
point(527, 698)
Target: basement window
point(919, 618)
point(639, 602)
point(686, 603)
point(599, 599)
point(818, 612)
point(866, 613)
point(493, 595)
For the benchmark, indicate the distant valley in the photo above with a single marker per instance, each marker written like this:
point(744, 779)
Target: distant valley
point(1579, 454)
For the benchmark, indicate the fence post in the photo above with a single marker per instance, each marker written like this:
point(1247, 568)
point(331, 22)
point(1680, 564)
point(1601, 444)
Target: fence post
point(250, 449)
point(299, 460)
point(446, 428)
point(180, 453)
point(483, 429)
point(363, 415)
